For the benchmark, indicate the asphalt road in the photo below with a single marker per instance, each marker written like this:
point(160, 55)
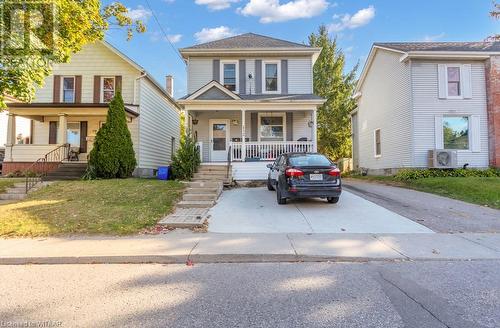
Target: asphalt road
point(382, 294)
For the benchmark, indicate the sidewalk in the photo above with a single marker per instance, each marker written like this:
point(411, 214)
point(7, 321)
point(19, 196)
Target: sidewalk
point(179, 246)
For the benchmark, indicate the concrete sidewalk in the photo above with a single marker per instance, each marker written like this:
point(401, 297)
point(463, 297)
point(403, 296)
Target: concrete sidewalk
point(179, 246)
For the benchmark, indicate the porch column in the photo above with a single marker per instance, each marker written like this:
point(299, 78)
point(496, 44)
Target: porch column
point(62, 134)
point(243, 136)
point(11, 129)
point(315, 131)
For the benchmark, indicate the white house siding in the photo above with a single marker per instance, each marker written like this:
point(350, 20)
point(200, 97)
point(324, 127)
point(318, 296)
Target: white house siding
point(300, 125)
point(427, 105)
point(94, 59)
point(159, 121)
point(300, 74)
point(250, 171)
point(200, 72)
point(250, 69)
point(385, 104)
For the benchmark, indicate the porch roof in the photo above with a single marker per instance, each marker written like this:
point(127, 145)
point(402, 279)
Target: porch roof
point(83, 109)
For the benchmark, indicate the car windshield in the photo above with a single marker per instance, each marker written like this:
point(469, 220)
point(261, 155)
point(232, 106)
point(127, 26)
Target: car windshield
point(308, 160)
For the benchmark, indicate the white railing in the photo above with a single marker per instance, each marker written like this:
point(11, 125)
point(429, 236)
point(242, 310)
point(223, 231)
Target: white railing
point(267, 151)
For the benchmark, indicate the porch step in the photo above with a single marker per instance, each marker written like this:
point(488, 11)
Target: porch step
point(12, 196)
point(204, 184)
point(205, 196)
point(213, 175)
point(195, 203)
point(16, 190)
point(67, 171)
point(212, 168)
point(202, 190)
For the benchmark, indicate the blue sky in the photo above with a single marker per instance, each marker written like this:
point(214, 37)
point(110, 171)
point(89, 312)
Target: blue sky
point(356, 24)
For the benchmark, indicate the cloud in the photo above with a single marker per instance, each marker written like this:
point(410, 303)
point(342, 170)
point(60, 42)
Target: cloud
point(435, 37)
point(272, 11)
point(139, 13)
point(360, 18)
point(216, 4)
point(212, 34)
point(174, 38)
point(156, 36)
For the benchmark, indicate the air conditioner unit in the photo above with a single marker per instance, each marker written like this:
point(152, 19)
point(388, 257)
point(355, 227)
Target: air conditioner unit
point(442, 159)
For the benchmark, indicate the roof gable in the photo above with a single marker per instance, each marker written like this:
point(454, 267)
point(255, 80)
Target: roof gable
point(213, 91)
point(248, 41)
point(484, 46)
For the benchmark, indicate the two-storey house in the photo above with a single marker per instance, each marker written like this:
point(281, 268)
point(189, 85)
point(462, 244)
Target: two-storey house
point(432, 104)
point(73, 103)
point(250, 99)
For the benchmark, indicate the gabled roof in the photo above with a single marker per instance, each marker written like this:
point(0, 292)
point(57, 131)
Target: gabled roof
point(248, 40)
point(209, 86)
point(441, 46)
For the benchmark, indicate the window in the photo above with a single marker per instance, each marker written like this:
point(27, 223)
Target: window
point(108, 89)
point(73, 133)
point(453, 81)
point(68, 89)
point(271, 73)
point(378, 143)
point(229, 75)
point(456, 132)
point(272, 127)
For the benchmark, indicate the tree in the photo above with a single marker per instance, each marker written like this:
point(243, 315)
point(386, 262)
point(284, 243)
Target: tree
point(495, 13)
point(186, 160)
point(113, 153)
point(337, 87)
point(37, 34)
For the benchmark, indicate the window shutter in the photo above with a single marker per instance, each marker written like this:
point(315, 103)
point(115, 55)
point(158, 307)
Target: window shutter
point(83, 136)
point(442, 81)
point(52, 132)
point(118, 83)
point(78, 89)
point(438, 131)
point(284, 76)
point(216, 70)
point(56, 98)
point(258, 76)
point(253, 126)
point(475, 131)
point(243, 77)
point(465, 73)
point(97, 89)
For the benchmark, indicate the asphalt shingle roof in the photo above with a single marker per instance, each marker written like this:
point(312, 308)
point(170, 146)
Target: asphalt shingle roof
point(484, 46)
point(248, 40)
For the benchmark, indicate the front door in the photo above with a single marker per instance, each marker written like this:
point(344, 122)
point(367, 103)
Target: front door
point(219, 140)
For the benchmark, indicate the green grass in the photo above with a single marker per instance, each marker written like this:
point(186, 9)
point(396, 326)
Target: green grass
point(8, 182)
point(113, 207)
point(476, 190)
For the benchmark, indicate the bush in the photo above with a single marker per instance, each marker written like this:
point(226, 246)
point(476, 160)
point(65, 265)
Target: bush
point(113, 154)
point(186, 160)
point(414, 174)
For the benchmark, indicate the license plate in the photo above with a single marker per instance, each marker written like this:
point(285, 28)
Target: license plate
point(315, 177)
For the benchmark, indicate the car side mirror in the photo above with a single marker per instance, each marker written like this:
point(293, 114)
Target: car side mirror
point(269, 166)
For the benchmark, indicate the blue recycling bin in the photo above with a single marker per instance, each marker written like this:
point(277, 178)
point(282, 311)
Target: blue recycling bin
point(163, 172)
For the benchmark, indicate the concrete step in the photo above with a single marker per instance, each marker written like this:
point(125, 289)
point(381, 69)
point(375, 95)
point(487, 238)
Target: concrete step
point(202, 190)
point(20, 190)
point(220, 175)
point(195, 203)
point(12, 196)
point(61, 177)
point(21, 184)
point(222, 169)
point(204, 184)
point(195, 197)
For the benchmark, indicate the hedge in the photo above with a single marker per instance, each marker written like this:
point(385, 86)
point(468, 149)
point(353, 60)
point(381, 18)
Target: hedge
point(414, 174)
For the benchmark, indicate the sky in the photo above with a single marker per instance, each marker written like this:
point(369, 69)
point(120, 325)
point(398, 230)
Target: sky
point(355, 24)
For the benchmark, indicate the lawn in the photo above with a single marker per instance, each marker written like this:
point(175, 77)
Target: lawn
point(481, 191)
point(114, 207)
point(7, 183)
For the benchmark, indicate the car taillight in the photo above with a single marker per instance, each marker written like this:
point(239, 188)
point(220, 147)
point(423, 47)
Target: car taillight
point(334, 172)
point(294, 173)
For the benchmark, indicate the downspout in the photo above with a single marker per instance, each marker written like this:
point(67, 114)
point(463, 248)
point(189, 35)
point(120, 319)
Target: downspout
point(138, 155)
point(143, 74)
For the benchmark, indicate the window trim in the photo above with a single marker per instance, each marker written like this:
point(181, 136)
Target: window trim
point(277, 114)
point(469, 134)
point(102, 87)
point(62, 88)
point(375, 143)
point(264, 63)
point(459, 66)
point(237, 72)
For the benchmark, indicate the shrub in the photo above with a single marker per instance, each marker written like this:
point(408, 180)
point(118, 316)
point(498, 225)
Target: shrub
point(414, 174)
point(186, 160)
point(113, 153)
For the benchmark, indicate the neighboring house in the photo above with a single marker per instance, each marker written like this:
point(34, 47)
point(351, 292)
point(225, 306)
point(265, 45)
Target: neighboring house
point(250, 99)
point(73, 104)
point(419, 100)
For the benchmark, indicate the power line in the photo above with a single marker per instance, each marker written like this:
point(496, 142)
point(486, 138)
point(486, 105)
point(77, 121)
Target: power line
point(163, 31)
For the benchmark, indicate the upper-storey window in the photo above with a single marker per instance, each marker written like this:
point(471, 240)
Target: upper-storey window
point(229, 75)
point(108, 89)
point(68, 89)
point(271, 73)
point(453, 81)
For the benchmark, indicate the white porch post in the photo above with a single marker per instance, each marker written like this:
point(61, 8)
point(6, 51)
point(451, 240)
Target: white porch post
point(186, 122)
point(62, 135)
point(11, 130)
point(243, 135)
point(315, 131)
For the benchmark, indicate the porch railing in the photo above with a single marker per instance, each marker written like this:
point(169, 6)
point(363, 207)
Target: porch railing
point(37, 171)
point(267, 151)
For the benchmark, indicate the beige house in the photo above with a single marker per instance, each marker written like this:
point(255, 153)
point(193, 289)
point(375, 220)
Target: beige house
point(72, 106)
point(250, 99)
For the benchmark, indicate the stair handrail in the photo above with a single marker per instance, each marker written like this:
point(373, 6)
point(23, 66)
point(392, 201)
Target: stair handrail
point(39, 169)
point(229, 153)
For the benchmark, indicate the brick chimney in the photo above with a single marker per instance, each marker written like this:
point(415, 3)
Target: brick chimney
point(170, 85)
point(493, 107)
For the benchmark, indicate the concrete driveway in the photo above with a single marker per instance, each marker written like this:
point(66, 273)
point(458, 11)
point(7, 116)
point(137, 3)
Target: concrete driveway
point(254, 210)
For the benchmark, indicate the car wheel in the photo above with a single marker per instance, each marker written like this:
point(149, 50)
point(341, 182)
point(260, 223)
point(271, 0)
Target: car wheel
point(269, 185)
point(281, 200)
point(333, 200)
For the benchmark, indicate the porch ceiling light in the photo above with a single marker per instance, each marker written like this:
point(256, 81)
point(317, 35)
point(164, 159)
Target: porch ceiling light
point(310, 124)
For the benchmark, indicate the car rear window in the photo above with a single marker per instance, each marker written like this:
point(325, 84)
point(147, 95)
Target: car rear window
point(308, 160)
